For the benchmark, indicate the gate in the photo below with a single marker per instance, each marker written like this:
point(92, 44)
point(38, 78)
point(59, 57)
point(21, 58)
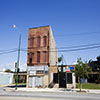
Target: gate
point(62, 80)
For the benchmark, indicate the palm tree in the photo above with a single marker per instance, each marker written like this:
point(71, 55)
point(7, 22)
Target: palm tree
point(59, 59)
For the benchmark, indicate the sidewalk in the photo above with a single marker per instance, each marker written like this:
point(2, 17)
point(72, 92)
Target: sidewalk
point(95, 91)
point(39, 90)
point(51, 90)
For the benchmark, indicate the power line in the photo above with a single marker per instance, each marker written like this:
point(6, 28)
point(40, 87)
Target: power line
point(86, 48)
point(70, 50)
point(60, 49)
point(86, 45)
point(85, 33)
point(79, 46)
point(7, 52)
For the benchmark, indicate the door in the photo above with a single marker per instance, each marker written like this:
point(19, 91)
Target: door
point(62, 80)
point(39, 82)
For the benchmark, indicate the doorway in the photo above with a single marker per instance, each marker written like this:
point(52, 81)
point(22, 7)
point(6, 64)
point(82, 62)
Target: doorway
point(62, 80)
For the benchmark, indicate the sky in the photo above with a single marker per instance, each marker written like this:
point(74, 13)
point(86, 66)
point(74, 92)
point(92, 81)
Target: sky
point(73, 22)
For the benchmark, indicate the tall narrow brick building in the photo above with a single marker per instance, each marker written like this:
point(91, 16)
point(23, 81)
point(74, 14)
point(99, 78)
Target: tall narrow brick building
point(41, 57)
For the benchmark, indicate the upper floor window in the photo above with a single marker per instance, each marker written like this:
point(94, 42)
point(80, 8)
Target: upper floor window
point(44, 56)
point(45, 40)
point(38, 56)
point(31, 57)
point(38, 41)
point(31, 42)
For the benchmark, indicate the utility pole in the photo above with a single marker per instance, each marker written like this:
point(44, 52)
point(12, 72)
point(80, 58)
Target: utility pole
point(17, 65)
point(62, 63)
point(62, 70)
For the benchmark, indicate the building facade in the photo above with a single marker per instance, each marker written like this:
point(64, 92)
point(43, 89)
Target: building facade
point(41, 57)
point(6, 78)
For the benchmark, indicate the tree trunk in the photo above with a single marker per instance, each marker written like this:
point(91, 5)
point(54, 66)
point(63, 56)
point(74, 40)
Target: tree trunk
point(80, 84)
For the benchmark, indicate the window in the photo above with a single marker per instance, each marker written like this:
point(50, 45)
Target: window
point(30, 57)
point(38, 56)
point(55, 77)
point(69, 78)
point(30, 60)
point(31, 42)
point(44, 56)
point(44, 41)
point(38, 41)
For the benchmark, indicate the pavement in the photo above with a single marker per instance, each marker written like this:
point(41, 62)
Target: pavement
point(55, 90)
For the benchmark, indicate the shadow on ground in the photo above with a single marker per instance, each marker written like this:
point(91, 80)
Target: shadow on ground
point(13, 86)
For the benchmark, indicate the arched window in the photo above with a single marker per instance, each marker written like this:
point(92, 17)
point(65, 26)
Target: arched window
point(45, 41)
point(38, 41)
point(31, 42)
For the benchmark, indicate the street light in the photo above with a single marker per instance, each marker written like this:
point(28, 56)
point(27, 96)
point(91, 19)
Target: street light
point(17, 63)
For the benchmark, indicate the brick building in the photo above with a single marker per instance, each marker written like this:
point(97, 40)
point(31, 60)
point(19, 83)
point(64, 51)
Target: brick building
point(41, 57)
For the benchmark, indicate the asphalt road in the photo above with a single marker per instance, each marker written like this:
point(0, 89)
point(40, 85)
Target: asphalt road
point(11, 95)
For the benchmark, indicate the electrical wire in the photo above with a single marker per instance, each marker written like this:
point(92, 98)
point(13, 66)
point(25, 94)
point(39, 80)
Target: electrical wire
point(86, 48)
point(86, 45)
point(7, 52)
point(60, 49)
point(85, 33)
point(79, 46)
point(70, 50)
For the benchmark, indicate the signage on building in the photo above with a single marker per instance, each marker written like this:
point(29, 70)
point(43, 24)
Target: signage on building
point(36, 68)
point(68, 68)
point(32, 72)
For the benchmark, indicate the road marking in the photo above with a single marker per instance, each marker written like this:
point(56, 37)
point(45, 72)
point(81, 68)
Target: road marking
point(22, 98)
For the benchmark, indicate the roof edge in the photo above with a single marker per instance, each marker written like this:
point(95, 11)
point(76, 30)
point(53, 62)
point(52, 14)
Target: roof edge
point(40, 27)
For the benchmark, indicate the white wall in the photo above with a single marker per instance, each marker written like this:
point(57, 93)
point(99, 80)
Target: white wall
point(53, 59)
point(6, 78)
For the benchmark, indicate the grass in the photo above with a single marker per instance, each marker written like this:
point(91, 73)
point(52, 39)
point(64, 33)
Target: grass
point(81, 91)
point(89, 86)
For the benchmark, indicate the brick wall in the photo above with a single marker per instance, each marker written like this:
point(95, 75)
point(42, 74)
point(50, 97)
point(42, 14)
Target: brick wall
point(35, 33)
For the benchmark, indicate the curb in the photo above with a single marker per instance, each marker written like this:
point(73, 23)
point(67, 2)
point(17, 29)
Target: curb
point(51, 90)
point(38, 90)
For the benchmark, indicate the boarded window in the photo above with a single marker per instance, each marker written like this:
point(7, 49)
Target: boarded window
point(38, 41)
point(31, 57)
point(38, 56)
point(44, 56)
point(45, 41)
point(31, 42)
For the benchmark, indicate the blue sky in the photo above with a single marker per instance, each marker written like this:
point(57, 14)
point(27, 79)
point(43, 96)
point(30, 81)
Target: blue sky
point(73, 22)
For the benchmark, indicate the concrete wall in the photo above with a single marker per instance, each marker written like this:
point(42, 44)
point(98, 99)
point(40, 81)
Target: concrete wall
point(74, 80)
point(73, 85)
point(6, 78)
point(53, 59)
point(45, 81)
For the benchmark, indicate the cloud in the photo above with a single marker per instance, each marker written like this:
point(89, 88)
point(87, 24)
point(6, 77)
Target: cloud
point(74, 63)
point(11, 66)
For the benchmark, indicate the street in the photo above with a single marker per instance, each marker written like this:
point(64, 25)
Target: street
point(16, 95)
